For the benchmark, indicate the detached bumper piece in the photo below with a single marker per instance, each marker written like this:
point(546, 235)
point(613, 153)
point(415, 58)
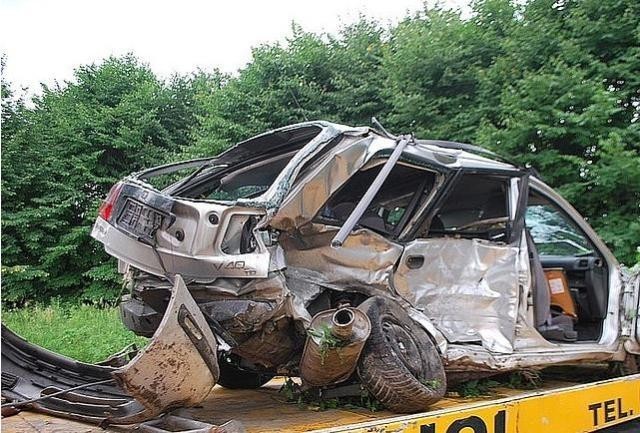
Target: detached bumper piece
point(172, 424)
point(177, 369)
point(30, 372)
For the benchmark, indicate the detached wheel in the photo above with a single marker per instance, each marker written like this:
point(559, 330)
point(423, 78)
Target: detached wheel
point(233, 377)
point(400, 365)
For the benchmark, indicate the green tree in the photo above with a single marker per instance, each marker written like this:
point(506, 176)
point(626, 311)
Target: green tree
point(435, 61)
point(115, 118)
point(565, 93)
point(550, 83)
point(12, 106)
point(335, 78)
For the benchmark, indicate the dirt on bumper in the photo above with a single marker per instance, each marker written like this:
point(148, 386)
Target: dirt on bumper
point(178, 368)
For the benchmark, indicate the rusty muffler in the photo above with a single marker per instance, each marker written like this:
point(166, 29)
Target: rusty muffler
point(334, 343)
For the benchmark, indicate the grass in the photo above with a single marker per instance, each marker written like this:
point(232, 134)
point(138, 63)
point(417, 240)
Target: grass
point(83, 332)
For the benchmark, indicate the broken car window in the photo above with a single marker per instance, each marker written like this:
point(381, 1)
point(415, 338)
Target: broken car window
point(476, 207)
point(247, 182)
point(401, 192)
point(552, 231)
point(248, 169)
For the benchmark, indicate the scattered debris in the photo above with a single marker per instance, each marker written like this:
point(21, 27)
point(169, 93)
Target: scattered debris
point(176, 424)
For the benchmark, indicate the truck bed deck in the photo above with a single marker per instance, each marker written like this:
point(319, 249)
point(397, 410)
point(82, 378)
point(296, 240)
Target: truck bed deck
point(557, 406)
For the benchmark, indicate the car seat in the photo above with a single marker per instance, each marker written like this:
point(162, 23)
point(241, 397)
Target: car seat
point(341, 211)
point(552, 323)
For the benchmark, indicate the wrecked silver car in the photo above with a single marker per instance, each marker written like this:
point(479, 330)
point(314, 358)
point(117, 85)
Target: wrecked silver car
point(342, 254)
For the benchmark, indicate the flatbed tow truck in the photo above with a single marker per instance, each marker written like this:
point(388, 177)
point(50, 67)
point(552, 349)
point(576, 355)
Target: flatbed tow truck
point(567, 405)
point(294, 264)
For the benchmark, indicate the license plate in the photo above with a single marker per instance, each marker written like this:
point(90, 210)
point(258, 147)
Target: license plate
point(139, 219)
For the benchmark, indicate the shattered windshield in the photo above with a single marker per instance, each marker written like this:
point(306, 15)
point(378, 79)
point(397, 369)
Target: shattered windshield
point(244, 183)
point(554, 233)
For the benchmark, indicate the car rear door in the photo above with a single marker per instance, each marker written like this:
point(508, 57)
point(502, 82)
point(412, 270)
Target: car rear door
point(462, 267)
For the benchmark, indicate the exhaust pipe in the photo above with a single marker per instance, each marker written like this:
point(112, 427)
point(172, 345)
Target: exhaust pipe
point(336, 339)
point(342, 321)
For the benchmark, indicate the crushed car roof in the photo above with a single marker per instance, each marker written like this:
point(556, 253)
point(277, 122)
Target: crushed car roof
point(469, 155)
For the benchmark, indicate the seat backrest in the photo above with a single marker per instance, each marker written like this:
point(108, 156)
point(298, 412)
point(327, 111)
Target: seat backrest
point(540, 285)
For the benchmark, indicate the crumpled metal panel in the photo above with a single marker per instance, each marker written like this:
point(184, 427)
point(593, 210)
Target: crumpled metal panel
point(179, 367)
point(308, 196)
point(272, 198)
point(254, 302)
point(271, 347)
point(256, 313)
point(366, 259)
point(302, 290)
point(467, 287)
point(315, 265)
point(268, 289)
point(425, 322)
point(466, 358)
point(630, 323)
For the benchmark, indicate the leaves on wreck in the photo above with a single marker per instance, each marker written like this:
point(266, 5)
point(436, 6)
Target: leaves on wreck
point(326, 340)
point(312, 399)
point(525, 379)
point(476, 387)
point(431, 383)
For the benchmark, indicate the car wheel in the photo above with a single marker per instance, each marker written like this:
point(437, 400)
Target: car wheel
point(400, 365)
point(233, 377)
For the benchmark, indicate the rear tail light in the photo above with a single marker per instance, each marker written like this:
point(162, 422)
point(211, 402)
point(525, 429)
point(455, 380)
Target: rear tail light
point(106, 208)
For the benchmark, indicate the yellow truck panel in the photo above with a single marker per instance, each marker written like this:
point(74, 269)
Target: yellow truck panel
point(560, 407)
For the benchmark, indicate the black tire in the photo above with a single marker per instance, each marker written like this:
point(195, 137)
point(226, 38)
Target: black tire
point(233, 377)
point(400, 365)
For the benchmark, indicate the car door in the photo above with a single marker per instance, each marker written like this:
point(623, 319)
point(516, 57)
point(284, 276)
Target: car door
point(462, 266)
point(370, 251)
point(574, 267)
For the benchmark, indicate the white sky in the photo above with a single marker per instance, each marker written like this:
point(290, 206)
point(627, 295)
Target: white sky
point(45, 40)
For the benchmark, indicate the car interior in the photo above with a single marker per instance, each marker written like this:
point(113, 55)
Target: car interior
point(247, 182)
point(571, 285)
point(570, 278)
point(248, 169)
point(402, 191)
point(477, 207)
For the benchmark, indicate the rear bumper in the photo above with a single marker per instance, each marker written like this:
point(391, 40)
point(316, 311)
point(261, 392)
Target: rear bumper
point(163, 260)
point(140, 255)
